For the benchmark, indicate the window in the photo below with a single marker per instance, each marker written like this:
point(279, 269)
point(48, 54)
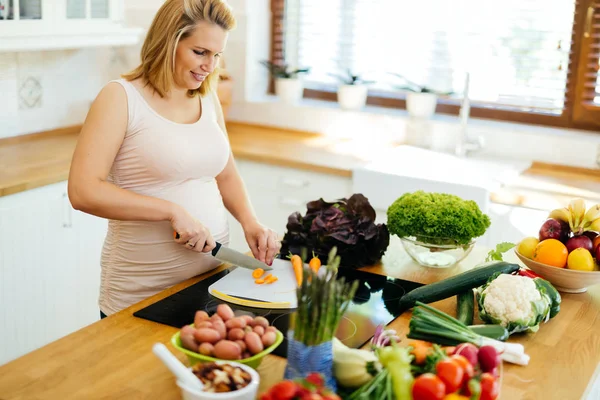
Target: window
point(526, 61)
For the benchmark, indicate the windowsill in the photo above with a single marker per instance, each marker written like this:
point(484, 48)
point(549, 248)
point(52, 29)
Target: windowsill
point(508, 140)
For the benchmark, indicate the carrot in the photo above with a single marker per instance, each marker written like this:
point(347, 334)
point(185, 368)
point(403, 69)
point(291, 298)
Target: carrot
point(298, 267)
point(315, 263)
point(420, 349)
point(266, 278)
point(271, 279)
point(259, 281)
point(257, 273)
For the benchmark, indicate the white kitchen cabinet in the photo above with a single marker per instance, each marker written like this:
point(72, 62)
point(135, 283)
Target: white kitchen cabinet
point(28, 25)
point(276, 192)
point(49, 269)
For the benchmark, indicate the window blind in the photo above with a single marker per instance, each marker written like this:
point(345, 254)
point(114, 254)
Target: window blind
point(515, 51)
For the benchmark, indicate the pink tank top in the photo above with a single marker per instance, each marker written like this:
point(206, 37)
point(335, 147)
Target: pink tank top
point(171, 161)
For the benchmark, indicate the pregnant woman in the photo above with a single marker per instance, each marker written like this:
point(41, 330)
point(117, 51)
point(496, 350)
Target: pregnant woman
point(153, 157)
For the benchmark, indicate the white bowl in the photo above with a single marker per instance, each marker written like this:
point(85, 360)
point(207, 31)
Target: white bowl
point(248, 392)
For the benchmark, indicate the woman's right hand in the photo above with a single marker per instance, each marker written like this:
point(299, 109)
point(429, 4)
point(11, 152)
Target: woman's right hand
point(192, 234)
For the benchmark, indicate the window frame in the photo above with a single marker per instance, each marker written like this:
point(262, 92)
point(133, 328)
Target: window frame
point(575, 115)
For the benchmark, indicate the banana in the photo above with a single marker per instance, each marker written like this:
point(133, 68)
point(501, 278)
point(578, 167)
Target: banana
point(591, 215)
point(594, 226)
point(577, 209)
point(562, 214)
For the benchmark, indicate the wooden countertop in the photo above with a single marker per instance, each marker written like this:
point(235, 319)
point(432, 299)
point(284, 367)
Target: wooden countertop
point(112, 358)
point(35, 160)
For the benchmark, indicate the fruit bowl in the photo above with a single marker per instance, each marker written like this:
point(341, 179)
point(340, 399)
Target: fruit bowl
point(446, 254)
point(563, 279)
point(253, 361)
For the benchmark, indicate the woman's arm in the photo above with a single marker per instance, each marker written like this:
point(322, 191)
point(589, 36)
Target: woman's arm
point(99, 142)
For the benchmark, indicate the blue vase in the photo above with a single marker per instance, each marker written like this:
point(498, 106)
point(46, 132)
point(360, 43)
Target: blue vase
point(302, 360)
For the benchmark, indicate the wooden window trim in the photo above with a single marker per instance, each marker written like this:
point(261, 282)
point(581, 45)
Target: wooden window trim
point(574, 116)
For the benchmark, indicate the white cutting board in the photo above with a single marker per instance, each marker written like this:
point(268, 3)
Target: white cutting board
point(240, 283)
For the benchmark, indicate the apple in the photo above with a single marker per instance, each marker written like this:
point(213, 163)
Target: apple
point(597, 255)
point(579, 241)
point(554, 229)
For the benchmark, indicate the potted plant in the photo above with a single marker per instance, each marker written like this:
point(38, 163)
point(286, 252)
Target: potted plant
point(288, 85)
point(421, 101)
point(352, 93)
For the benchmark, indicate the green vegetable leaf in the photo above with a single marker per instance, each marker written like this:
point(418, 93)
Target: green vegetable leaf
point(496, 255)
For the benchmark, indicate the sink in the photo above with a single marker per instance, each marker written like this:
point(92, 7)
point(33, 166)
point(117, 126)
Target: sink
point(407, 169)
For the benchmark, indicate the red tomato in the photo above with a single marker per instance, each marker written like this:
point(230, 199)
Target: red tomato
point(284, 390)
point(451, 373)
point(489, 387)
point(466, 366)
point(428, 387)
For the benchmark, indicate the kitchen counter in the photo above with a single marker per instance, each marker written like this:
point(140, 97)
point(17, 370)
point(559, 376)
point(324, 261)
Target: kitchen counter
point(112, 358)
point(35, 160)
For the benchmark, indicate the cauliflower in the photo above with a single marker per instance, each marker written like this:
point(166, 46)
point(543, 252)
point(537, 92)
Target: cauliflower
point(516, 302)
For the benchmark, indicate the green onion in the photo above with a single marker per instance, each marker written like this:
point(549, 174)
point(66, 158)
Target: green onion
point(432, 325)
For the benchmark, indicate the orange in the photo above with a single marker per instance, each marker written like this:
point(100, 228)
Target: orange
point(551, 252)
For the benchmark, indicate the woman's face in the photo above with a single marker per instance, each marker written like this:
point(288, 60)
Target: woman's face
point(198, 55)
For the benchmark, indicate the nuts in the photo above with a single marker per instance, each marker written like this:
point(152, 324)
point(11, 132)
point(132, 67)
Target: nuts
point(221, 378)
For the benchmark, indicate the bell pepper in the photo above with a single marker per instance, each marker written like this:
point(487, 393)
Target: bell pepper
point(397, 361)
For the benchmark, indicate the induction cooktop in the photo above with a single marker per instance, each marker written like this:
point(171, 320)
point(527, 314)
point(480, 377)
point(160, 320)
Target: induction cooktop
point(375, 302)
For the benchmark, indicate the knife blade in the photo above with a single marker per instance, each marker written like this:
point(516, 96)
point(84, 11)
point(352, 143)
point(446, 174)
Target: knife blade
point(234, 257)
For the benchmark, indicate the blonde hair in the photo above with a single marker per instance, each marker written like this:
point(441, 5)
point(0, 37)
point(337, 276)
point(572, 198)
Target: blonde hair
point(174, 21)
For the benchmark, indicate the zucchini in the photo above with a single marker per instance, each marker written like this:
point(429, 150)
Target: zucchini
point(497, 332)
point(454, 285)
point(553, 294)
point(465, 306)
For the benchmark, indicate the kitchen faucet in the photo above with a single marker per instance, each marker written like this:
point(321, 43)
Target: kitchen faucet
point(463, 145)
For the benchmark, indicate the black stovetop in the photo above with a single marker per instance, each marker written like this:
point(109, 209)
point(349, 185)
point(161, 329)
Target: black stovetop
point(375, 302)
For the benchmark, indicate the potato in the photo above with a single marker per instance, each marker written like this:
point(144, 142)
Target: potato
point(248, 329)
point(188, 330)
point(227, 350)
point(261, 321)
point(200, 317)
point(259, 330)
point(236, 334)
point(219, 326)
point(206, 348)
point(271, 329)
point(268, 339)
point(189, 342)
point(204, 324)
point(248, 319)
point(225, 312)
point(235, 323)
point(246, 354)
point(253, 343)
point(242, 345)
point(216, 317)
point(207, 335)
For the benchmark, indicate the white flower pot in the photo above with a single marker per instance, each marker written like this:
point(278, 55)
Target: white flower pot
point(352, 97)
point(421, 105)
point(289, 90)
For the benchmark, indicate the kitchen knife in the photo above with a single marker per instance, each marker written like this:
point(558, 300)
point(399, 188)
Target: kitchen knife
point(234, 257)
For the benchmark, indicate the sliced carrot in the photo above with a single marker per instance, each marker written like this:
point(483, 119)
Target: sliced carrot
point(259, 281)
point(271, 279)
point(266, 278)
point(298, 266)
point(257, 273)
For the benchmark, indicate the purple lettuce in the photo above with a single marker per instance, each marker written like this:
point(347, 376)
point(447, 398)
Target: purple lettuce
point(348, 224)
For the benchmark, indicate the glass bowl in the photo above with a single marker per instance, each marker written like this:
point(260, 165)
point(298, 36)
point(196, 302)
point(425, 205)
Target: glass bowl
point(436, 252)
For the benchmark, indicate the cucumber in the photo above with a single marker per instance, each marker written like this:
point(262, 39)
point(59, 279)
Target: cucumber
point(553, 294)
point(465, 306)
point(454, 285)
point(497, 332)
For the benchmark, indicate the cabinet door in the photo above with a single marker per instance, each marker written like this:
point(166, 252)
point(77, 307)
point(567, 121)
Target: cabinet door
point(33, 262)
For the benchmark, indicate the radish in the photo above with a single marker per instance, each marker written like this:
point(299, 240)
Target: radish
point(468, 351)
point(488, 358)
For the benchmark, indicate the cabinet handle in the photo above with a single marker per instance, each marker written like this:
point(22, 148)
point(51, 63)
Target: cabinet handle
point(286, 201)
point(295, 183)
point(67, 212)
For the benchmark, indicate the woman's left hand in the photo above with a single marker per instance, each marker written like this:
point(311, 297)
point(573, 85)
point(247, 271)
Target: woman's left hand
point(262, 241)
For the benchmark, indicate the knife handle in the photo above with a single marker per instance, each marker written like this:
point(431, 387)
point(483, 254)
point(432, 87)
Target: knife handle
point(213, 251)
